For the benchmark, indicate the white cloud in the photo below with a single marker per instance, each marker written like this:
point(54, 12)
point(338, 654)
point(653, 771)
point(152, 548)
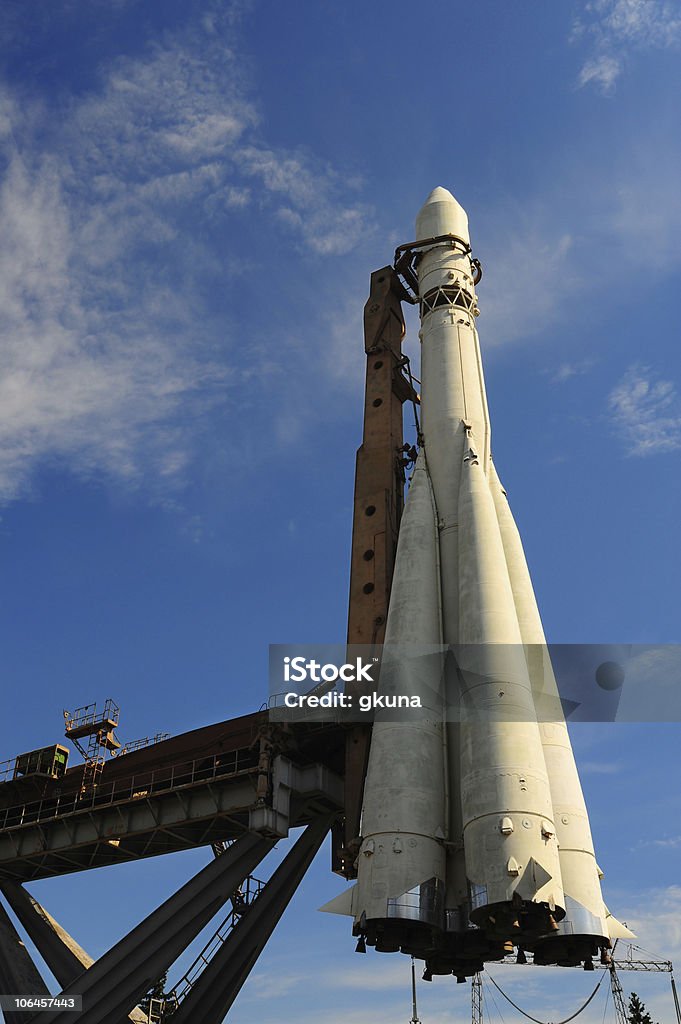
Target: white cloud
point(603, 71)
point(306, 196)
point(617, 27)
point(80, 382)
point(655, 916)
point(575, 239)
point(647, 202)
point(109, 354)
point(644, 22)
point(651, 691)
point(371, 975)
point(530, 271)
point(274, 985)
point(668, 843)
point(646, 412)
point(566, 371)
point(599, 767)
point(344, 355)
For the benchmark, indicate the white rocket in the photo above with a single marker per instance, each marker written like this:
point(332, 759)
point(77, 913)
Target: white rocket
point(475, 835)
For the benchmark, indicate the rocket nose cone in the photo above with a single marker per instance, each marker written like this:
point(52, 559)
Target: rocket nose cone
point(440, 195)
point(441, 215)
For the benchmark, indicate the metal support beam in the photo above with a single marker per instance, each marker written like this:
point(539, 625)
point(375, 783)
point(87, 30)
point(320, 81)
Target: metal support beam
point(476, 999)
point(291, 784)
point(172, 819)
point(676, 1000)
point(414, 1012)
point(378, 504)
point(62, 954)
point(18, 974)
point(618, 997)
point(120, 978)
point(212, 995)
point(379, 474)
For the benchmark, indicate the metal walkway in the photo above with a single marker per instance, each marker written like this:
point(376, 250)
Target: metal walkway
point(174, 796)
point(228, 782)
point(144, 815)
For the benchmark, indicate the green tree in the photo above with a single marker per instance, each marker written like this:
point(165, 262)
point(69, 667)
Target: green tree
point(637, 1011)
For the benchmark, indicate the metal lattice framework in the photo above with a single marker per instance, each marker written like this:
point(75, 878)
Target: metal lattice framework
point(176, 794)
point(629, 963)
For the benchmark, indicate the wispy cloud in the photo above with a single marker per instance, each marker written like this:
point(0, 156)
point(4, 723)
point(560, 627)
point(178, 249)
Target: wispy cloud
point(574, 236)
point(649, 196)
point(655, 916)
point(615, 28)
point(668, 843)
point(646, 412)
point(95, 365)
point(305, 198)
point(367, 977)
point(566, 371)
point(602, 71)
point(274, 985)
point(651, 692)
point(518, 305)
point(113, 214)
point(599, 767)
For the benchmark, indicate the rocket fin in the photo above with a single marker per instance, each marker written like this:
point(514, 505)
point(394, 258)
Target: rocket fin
point(534, 878)
point(341, 904)
point(617, 930)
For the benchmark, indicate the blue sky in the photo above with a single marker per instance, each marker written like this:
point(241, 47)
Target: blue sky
point(192, 199)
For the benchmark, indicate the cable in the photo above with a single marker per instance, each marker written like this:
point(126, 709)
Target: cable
point(496, 1006)
point(608, 993)
point(536, 1019)
point(485, 1005)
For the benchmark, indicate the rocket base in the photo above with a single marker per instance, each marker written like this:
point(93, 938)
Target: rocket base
point(570, 950)
point(517, 920)
point(391, 935)
point(459, 953)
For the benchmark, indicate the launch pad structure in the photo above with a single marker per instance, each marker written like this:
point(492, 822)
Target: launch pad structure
point(235, 787)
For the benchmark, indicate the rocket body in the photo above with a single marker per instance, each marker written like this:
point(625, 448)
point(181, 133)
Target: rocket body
point(475, 835)
point(501, 772)
point(404, 810)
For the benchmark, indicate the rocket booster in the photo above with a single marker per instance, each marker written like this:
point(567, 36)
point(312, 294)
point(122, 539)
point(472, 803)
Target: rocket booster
point(475, 835)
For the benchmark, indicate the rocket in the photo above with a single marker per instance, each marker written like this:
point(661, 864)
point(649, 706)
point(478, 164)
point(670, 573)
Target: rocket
point(475, 838)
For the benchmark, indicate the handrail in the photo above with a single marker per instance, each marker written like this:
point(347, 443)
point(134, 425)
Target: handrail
point(249, 891)
point(89, 715)
point(138, 786)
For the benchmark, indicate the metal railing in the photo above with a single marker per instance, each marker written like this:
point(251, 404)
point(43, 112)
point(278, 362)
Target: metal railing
point(148, 741)
point(88, 715)
point(242, 899)
point(651, 966)
point(135, 787)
